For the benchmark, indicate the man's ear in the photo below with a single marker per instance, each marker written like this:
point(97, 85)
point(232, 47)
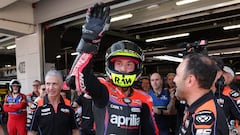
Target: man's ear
point(190, 80)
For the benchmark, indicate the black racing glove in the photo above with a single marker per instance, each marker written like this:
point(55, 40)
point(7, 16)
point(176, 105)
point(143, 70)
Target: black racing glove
point(97, 22)
point(70, 81)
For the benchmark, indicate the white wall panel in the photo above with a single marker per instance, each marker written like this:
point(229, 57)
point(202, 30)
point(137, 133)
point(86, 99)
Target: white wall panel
point(20, 11)
point(17, 17)
point(28, 53)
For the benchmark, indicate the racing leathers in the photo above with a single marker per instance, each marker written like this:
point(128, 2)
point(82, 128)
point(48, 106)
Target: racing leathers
point(204, 117)
point(17, 114)
point(114, 112)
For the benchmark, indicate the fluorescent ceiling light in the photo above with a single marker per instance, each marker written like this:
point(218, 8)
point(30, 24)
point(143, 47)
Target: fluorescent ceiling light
point(169, 58)
point(6, 39)
point(75, 53)
point(58, 56)
point(119, 5)
point(237, 73)
point(124, 3)
point(121, 17)
point(11, 47)
point(231, 27)
point(180, 54)
point(183, 2)
point(222, 53)
point(167, 37)
point(154, 6)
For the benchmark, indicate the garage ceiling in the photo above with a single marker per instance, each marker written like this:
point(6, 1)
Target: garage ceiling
point(203, 19)
point(9, 30)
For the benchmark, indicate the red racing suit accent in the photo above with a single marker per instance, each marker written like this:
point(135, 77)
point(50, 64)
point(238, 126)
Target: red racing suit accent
point(17, 114)
point(114, 113)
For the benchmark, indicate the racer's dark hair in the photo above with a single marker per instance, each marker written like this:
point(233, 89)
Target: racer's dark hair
point(202, 67)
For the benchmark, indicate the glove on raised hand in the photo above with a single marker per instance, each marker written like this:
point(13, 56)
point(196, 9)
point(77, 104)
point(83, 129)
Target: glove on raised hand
point(97, 22)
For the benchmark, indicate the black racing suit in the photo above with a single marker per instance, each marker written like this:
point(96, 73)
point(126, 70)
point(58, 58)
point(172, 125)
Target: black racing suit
point(47, 121)
point(114, 113)
point(87, 114)
point(233, 107)
point(230, 109)
point(204, 117)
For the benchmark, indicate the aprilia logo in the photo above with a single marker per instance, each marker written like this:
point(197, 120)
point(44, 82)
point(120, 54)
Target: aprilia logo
point(133, 120)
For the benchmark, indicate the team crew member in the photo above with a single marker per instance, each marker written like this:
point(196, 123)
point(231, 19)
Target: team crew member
point(119, 109)
point(163, 104)
point(234, 96)
point(194, 77)
point(31, 97)
point(87, 118)
point(42, 91)
point(52, 115)
point(226, 101)
point(15, 104)
point(228, 75)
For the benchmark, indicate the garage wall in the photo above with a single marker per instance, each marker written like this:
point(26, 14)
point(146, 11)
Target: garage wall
point(29, 54)
point(17, 19)
point(28, 57)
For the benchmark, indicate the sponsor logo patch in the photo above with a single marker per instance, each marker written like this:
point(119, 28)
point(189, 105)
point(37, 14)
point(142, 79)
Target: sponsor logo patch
point(234, 94)
point(204, 117)
point(45, 110)
point(135, 109)
point(203, 131)
point(44, 114)
point(65, 110)
point(132, 120)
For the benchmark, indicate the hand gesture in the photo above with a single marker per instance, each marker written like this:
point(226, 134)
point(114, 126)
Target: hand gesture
point(97, 22)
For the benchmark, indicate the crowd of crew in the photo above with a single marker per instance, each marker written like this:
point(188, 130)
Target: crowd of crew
point(198, 99)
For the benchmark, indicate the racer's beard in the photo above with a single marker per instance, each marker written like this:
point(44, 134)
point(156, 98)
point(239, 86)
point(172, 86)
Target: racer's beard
point(127, 91)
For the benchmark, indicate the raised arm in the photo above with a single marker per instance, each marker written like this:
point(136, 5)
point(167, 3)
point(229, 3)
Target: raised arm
point(81, 77)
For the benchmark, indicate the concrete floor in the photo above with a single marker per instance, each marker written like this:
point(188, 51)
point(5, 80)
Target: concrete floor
point(5, 125)
point(5, 128)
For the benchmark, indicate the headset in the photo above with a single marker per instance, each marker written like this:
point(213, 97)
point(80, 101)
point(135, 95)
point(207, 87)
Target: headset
point(220, 83)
